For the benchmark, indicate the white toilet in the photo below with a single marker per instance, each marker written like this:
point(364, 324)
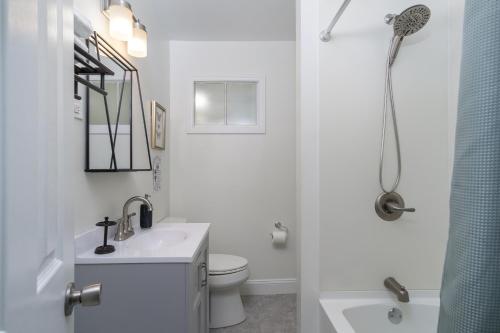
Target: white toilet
point(226, 274)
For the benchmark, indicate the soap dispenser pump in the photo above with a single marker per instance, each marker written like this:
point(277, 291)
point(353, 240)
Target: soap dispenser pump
point(146, 215)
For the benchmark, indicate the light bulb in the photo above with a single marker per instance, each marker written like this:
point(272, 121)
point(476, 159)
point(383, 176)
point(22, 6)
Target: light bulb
point(137, 46)
point(120, 20)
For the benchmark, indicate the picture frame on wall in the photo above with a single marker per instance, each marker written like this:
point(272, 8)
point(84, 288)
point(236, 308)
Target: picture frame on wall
point(158, 125)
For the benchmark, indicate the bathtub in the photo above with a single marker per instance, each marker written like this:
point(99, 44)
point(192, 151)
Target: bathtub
point(379, 312)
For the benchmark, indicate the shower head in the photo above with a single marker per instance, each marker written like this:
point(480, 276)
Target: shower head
point(411, 20)
point(407, 23)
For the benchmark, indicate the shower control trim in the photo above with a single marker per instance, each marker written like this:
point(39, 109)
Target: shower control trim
point(390, 206)
point(395, 208)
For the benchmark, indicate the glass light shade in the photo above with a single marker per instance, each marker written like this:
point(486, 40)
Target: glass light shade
point(137, 46)
point(120, 22)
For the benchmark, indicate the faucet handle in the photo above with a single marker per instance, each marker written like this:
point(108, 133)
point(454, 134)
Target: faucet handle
point(128, 225)
point(390, 206)
point(394, 207)
point(148, 199)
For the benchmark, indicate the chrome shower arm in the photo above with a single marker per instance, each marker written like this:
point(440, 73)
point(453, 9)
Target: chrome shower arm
point(326, 34)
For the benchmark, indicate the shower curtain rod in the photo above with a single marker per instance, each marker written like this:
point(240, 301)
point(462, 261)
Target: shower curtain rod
point(326, 34)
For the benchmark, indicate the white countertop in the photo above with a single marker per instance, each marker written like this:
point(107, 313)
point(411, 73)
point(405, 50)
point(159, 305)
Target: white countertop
point(165, 242)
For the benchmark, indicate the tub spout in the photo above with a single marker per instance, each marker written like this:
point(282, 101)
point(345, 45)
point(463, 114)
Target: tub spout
point(396, 288)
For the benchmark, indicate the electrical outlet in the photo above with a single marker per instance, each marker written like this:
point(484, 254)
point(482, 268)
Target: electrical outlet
point(78, 109)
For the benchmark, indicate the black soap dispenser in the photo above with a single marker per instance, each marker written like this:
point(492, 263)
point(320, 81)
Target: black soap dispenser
point(146, 218)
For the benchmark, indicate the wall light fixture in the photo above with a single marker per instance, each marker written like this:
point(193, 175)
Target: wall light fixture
point(124, 26)
point(121, 20)
point(137, 46)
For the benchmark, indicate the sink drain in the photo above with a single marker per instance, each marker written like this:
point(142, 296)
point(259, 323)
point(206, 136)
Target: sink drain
point(395, 316)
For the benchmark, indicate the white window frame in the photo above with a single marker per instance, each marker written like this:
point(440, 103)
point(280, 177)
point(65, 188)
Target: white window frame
point(259, 128)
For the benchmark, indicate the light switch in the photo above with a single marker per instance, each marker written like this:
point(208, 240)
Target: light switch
point(78, 108)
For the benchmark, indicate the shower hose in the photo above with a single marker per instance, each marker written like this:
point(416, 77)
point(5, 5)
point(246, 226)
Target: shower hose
point(389, 106)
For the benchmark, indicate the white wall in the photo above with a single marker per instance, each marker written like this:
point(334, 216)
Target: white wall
point(103, 194)
point(358, 250)
point(307, 165)
point(241, 183)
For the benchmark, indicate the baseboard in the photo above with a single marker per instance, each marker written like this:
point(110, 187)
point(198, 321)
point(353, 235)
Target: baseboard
point(269, 287)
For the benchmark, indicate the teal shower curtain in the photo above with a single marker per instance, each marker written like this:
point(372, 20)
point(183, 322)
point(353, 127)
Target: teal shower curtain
point(470, 293)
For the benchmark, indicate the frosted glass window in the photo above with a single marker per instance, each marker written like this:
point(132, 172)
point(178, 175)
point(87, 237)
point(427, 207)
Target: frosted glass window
point(241, 103)
point(210, 103)
point(235, 105)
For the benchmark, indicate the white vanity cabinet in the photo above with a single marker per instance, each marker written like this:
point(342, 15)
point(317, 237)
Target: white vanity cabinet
point(151, 297)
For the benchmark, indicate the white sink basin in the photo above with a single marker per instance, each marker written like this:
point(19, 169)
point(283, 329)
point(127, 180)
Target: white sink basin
point(163, 243)
point(159, 238)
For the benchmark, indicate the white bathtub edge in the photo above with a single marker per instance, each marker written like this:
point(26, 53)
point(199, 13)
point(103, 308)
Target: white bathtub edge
point(375, 294)
point(334, 303)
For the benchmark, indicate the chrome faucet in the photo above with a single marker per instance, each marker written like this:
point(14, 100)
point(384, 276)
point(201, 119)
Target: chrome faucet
point(125, 229)
point(396, 288)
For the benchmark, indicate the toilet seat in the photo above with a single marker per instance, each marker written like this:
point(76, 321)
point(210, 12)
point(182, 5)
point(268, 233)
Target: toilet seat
point(223, 264)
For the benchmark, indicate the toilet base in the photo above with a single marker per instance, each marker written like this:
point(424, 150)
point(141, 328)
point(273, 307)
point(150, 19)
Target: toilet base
point(226, 308)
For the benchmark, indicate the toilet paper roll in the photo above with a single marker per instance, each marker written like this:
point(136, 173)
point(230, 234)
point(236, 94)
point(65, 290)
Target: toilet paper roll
point(279, 237)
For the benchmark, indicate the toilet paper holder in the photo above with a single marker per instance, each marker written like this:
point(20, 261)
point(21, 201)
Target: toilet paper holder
point(280, 226)
point(279, 235)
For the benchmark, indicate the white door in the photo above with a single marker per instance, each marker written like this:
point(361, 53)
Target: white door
point(36, 260)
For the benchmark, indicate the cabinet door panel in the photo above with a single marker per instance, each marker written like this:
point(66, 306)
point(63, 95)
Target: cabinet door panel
point(198, 285)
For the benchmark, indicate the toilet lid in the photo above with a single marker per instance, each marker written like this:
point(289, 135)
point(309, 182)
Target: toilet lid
point(226, 264)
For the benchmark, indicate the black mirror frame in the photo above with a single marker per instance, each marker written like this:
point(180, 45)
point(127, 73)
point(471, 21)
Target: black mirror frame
point(101, 45)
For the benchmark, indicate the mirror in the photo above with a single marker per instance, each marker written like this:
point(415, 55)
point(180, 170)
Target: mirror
point(116, 122)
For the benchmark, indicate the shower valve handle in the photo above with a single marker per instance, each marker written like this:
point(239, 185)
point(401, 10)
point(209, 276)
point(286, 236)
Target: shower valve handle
point(395, 208)
point(390, 206)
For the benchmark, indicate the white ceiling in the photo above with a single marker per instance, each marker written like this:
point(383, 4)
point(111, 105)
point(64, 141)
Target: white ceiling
point(217, 20)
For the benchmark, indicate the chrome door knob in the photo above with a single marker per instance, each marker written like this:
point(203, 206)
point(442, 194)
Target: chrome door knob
point(88, 296)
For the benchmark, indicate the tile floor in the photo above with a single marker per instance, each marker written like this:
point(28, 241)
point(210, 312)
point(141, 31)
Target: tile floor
point(266, 314)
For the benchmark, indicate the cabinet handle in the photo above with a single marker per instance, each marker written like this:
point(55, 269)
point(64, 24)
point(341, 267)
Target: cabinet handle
point(204, 269)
